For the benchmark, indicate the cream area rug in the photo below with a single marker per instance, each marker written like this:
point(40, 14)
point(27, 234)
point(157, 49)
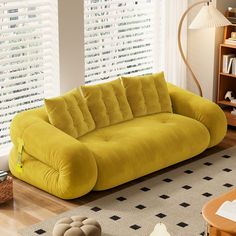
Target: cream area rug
point(174, 198)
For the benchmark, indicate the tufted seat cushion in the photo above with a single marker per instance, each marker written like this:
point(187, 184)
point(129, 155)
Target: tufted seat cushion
point(77, 226)
point(107, 103)
point(135, 148)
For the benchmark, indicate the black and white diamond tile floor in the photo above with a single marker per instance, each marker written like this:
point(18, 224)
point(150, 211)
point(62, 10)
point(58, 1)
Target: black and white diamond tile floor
point(174, 197)
point(115, 217)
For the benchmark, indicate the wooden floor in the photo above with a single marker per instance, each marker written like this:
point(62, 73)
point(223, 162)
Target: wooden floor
point(31, 205)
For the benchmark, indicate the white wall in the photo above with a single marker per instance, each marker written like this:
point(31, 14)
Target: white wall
point(71, 43)
point(203, 51)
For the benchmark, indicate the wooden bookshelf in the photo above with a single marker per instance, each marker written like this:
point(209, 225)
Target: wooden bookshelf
point(230, 118)
point(228, 45)
point(226, 82)
point(226, 103)
point(229, 75)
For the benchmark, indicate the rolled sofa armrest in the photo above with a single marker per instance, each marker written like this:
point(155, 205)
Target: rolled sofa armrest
point(52, 160)
point(208, 113)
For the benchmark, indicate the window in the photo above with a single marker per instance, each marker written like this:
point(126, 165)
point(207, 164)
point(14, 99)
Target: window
point(28, 58)
point(119, 38)
point(133, 38)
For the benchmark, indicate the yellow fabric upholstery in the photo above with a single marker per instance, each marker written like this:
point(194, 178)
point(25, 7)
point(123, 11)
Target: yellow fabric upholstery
point(106, 157)
point(147, 94)
point(70, 114)
point(138, 147)
point(107, 103)
point(52, 160)
point(208, 113)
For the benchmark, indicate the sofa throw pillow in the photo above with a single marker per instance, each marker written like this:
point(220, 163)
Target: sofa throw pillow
point(107, 103)
point(147, 94)
point(70, 113)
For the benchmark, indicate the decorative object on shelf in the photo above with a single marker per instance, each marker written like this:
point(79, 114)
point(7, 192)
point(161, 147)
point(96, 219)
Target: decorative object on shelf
point(233, 112)
point(232, 9)
point(230, 37)
point(77, 226)
point(6, 190)
point(233, 35)
point(207, 17)
point(160, 230)
point(229, 96)
point(232, 17)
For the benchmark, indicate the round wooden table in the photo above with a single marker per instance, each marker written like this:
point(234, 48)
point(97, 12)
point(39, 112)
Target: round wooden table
point(219, 226)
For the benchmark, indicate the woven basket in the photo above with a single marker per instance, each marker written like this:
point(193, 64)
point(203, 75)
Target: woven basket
point(6, 192)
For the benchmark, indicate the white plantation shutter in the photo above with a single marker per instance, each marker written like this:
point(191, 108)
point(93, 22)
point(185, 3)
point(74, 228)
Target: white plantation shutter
point(119, 38)
point(133, 37)
point(28, 58)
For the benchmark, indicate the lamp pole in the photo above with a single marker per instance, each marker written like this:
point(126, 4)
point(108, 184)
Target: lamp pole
point(181, 48)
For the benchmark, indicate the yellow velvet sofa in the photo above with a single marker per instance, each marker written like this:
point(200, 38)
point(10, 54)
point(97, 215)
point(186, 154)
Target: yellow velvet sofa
point(114, 154)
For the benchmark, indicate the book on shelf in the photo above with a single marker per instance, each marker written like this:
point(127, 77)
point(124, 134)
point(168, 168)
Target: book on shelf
point(233, 112)
point(227, 63)
point(229, 67)
point(234, 66)
point(231, 15)
point(231, 41)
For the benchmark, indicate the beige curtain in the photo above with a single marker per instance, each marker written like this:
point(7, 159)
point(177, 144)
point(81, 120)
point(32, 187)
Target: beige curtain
point(168, 57)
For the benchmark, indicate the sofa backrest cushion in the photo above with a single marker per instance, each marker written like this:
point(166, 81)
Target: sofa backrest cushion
point(70, 113)
point(107, 103)
point(147, 94)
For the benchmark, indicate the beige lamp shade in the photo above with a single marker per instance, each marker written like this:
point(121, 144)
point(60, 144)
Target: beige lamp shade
point(209, 17)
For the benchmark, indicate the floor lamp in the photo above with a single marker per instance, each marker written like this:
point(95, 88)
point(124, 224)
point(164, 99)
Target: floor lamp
point(207, 17)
